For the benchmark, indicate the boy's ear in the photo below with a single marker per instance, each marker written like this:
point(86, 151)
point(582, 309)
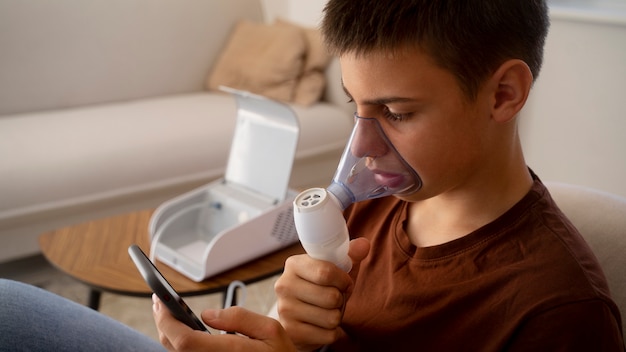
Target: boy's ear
point(511, 82)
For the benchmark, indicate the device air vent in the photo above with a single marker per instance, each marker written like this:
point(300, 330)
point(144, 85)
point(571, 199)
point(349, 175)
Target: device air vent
point(284, 228)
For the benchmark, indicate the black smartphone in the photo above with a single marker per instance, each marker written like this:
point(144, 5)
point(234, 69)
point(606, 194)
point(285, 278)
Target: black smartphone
point(164, 290)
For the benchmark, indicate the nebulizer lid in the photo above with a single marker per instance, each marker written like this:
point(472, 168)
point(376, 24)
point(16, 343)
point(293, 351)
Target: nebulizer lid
point(371, 167)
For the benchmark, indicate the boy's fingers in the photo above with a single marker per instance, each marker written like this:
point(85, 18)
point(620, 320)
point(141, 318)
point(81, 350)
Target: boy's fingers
point(243, 321)
point(172, 333)
point(358, 250)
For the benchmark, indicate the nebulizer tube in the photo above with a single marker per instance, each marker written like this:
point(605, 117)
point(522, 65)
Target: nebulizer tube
point(370, 167)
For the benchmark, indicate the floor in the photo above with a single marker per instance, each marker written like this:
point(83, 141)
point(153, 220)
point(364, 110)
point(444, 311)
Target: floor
point(132, 311)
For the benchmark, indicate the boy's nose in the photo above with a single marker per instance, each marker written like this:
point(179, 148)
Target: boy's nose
point(368, 139)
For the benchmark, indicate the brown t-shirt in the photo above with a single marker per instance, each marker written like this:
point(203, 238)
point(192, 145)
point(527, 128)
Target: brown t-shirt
point(525, 282)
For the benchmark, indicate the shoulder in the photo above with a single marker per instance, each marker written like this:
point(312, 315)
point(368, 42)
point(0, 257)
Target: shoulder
point(564, 243)
point(562, 274)
point(586, 325)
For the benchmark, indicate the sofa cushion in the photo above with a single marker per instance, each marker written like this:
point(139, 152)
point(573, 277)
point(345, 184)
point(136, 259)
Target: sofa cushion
point(312, 80)
point(67, 157)
point(263, 59)
point(283, 61)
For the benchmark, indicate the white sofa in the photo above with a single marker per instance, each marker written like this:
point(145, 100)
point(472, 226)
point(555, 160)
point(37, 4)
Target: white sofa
point(103, 110)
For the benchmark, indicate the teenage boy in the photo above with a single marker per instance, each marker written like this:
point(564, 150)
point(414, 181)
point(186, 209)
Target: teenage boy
point(480, 258)
point(477, 259)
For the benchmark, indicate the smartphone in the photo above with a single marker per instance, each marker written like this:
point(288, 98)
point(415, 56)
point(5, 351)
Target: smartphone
point(164, 290)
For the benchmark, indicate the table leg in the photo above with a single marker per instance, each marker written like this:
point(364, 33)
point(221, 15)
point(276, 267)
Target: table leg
point(94, 299)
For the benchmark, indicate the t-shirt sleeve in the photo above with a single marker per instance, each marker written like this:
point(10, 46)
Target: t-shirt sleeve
point(581, 326)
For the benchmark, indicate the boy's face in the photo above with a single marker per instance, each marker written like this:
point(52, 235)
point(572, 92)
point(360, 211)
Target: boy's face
point(443, 136)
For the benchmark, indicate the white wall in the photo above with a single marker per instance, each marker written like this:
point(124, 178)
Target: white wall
point(307, 12)
point(574, 125)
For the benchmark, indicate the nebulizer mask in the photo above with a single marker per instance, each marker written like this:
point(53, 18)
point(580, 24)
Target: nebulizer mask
point(370, 167)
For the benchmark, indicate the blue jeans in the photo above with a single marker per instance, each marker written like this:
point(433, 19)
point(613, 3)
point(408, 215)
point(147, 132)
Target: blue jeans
point(32, 319)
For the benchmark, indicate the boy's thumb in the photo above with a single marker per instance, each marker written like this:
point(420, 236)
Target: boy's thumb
point(359, 249)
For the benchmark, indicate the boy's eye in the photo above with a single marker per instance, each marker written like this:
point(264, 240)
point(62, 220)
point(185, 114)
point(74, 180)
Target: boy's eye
point(393, 116)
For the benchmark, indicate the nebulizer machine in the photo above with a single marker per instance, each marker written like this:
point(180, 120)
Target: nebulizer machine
point(370, 167)
point(251, 211)
point(247, 213)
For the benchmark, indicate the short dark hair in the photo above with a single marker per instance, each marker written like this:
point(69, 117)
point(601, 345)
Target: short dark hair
point(470, 38)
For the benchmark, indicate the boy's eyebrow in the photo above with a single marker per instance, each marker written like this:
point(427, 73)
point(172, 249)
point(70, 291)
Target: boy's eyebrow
point(378, 101)
point(345, 90)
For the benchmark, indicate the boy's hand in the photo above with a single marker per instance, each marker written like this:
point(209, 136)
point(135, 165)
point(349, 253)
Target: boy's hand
point(263, 333)
point(312, 294)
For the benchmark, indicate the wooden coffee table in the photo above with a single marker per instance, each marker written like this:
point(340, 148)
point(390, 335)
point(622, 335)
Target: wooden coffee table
point(96, 253)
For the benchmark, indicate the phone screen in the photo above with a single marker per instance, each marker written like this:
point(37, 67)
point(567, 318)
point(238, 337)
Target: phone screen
point(166, 293)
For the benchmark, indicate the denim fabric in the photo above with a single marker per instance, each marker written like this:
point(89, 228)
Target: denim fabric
point(32, 319)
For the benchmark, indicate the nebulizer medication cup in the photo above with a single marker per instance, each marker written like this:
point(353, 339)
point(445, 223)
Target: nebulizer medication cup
point(370, 167)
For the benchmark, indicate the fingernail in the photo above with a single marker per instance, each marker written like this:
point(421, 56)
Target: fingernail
point(210, 314)
point(156, 305)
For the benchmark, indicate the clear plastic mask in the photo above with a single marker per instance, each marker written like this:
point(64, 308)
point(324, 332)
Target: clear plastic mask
point(371, 167)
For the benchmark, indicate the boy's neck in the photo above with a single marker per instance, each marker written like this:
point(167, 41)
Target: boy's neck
point(455, 214)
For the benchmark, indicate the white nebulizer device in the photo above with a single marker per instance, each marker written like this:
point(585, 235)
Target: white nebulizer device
point(370, 167)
